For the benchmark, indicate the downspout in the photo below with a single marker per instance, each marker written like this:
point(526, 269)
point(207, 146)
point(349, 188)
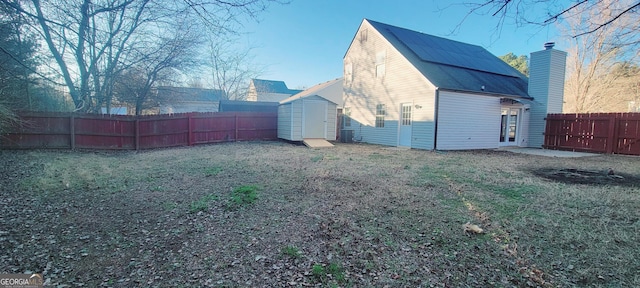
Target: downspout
point(435, 120)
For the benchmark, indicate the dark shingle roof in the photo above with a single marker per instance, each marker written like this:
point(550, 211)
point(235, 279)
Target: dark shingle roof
point(273, 86)
point(454, 65)
point(190, 94)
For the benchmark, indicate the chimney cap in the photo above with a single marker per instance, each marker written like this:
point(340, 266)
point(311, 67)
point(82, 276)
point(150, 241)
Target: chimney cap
point(549, 45)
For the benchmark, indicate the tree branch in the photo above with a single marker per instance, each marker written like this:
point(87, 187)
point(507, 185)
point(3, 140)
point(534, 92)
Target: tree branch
point(610, 21)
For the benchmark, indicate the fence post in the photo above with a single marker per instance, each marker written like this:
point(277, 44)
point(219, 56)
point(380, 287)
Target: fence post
point(190, 130)
point(137, 133)
point(236, 127)
point(72, 131)
point(611, 133)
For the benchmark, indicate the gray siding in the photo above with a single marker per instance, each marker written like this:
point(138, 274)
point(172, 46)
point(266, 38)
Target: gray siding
point(296, 120)
point(467, 121)
point(546, 86)
point(332, 121)
point(284, 122)
point(401, 83)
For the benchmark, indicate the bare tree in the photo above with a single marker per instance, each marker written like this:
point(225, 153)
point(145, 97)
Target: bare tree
point(91, 40)
point(231, 68)
point(592, 83)
point(156, 61)
point(527, 12)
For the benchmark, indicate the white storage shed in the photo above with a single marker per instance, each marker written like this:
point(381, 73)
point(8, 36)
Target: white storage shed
point(309, 114)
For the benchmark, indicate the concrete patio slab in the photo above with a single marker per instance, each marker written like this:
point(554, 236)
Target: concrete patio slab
point(546, 152)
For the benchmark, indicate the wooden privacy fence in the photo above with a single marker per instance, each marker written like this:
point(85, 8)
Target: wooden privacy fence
point(617, 133)
point(114, 132)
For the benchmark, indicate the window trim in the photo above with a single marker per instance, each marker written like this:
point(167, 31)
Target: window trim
point(381, 112)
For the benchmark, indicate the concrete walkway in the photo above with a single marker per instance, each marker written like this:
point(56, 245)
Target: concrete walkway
point(545, 152)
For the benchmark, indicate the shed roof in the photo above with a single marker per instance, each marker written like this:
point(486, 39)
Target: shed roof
point(190, 94)
point(312, 91)
point(273, 86)
point(453, 65)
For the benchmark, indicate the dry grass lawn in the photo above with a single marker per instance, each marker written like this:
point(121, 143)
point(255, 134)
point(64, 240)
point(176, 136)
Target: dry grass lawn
point(273, 214)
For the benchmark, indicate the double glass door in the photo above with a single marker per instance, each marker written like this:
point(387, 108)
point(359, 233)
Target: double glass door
point(509, 126)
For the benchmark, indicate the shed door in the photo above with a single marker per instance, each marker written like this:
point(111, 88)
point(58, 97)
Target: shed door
point(405, 125)
point(314, 115)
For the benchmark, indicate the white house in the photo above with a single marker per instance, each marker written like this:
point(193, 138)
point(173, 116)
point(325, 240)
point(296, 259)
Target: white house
point(406, 88)
point(311, 114)
point(187, 99)
point(269, 91)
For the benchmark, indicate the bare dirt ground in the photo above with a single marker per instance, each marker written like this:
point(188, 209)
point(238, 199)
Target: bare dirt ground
point(349, 216)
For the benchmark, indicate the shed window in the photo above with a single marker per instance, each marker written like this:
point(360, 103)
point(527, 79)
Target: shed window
point(381, 58)
point(347, 116)
point(380, 113)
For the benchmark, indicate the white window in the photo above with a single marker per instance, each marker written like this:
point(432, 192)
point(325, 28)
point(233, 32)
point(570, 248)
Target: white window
point(380, 113)
point(363, 35)
point(381, 58)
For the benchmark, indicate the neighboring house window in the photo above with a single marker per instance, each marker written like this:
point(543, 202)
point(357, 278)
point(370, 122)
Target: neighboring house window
point(380, 63)
point(347, 116)
point(348, 72)
point(363, 35)
point(380, 112)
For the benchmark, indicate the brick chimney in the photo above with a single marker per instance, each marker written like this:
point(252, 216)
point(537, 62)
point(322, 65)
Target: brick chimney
point(546, 86)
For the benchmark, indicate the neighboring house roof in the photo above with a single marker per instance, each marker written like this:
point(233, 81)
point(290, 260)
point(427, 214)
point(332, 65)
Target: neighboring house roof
point(453, 65)
point(273, 86)
point(182, 94)
point(314, 91)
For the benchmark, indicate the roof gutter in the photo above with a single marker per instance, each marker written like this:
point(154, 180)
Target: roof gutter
point(493, 94)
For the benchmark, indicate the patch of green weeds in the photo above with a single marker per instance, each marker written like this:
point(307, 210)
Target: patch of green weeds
point(333, 270)
point(243, 195)
point(157, 189)
point(337, 271)
point(202, 204)
point(169, 206)
point(291, 251)
point(318, 272)
point(317, 158)
point(212, 171)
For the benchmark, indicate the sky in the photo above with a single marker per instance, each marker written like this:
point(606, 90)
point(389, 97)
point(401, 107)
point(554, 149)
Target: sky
point(302, 43)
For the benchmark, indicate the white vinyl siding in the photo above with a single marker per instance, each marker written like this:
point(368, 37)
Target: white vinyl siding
point(468, 121)
point(546, 86)
point(290, 119)
point(402, 83)
point(284, 122)
point(332, 121)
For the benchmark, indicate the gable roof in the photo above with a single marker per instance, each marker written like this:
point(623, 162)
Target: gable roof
point(273, 86)
point(313, 91)
point(190, 94)
point(453, 65)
